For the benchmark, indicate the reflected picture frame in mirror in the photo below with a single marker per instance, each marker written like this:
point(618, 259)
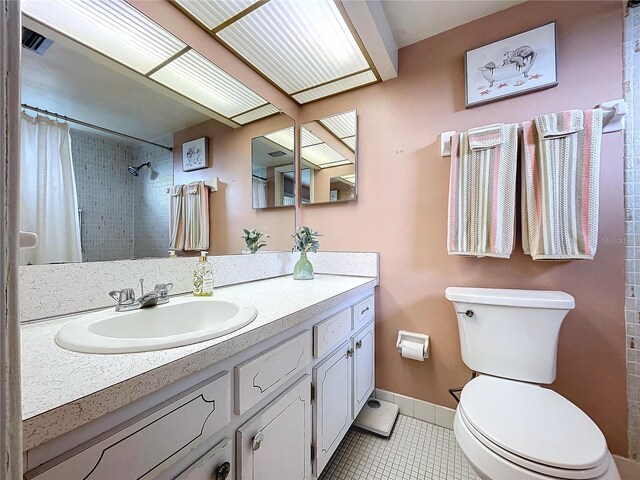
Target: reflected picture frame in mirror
point(329, 159)
point(273, 169)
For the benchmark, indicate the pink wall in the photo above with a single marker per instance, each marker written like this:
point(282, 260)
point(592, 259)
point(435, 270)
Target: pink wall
point(402, 206)
point(231, 206)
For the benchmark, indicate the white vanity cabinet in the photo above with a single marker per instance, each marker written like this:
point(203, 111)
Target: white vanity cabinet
point(342, 385)
point(333, 407)
point(276, 443)
point(279, 415)
point(363, 345)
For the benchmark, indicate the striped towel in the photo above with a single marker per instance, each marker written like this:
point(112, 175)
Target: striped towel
point(560, 185)
point(196, 216)
point(482, 191)
point(176, 228)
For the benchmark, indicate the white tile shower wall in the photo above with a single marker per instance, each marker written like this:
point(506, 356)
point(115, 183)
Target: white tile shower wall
point(105, 196)
point(631, 54)
point(151, 229)
point(51, 290)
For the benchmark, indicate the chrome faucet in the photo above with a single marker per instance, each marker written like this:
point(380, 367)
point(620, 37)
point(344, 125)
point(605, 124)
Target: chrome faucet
point(127, 301)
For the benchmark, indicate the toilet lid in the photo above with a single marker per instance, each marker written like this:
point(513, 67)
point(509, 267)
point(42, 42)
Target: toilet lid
point(534, 423)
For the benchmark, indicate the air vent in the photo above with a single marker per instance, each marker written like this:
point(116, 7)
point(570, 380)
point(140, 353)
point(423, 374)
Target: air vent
point(277, 153)
point(34, 41)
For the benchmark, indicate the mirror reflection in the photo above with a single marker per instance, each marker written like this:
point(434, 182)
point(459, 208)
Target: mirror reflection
point(100, 150)
point(273, 169)
point(328, 152)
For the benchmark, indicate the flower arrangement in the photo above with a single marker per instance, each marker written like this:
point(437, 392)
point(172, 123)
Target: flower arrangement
point(306, 240)
point(254, 239)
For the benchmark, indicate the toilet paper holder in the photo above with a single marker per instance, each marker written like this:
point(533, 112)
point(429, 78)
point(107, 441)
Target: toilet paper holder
point(413, 337)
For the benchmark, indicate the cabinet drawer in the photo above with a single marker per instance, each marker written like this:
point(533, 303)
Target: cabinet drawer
point(216, 464)
point(330, 332)
point(144, 447)
point(258, 378)
point(363, 311)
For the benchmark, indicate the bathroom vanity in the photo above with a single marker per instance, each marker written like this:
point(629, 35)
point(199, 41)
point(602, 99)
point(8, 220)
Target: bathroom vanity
point(272, 400)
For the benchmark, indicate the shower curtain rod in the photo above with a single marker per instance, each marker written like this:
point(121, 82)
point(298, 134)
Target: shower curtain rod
point(89, 125)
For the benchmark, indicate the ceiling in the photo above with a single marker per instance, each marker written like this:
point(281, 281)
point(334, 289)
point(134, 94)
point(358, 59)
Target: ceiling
point(415, 20)
point(66, 82)
point(117, 31)
point(307, 49)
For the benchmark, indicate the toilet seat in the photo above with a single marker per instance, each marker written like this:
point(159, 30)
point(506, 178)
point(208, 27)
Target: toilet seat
point(533, 427)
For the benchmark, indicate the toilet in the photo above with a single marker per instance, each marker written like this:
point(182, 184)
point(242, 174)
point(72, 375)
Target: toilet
point(507, 425)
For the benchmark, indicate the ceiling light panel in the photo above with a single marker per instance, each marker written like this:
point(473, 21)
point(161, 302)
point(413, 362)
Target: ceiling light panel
point(195, 77)
point(323, 155)
point(296, 44)
point(355, 81)
point(308, 138)
point(214, 13)
point(342, 125)
point(256, 114)
point(283, 137)
point(112, 27)
point(350, 142)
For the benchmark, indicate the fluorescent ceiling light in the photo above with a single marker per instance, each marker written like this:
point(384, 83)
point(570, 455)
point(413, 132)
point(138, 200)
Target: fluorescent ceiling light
point(213, 13)
point(296, 44)
point(323, 155)
point(195, 77)
point(349, 83)
point(341, 125)
point(112, 27)
point(256, 114)
point(283, 137)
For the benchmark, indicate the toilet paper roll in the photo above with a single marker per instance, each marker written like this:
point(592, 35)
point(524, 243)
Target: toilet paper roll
point(412, 350)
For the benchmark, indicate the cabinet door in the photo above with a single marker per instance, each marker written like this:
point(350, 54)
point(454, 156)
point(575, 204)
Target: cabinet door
point(276, 443)
point(332, 407)
point(363, 366)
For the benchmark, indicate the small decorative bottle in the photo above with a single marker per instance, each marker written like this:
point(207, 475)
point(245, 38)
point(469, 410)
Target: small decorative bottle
point(203, 277)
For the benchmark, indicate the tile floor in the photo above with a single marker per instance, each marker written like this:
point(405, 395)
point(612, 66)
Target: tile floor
point(416, 450)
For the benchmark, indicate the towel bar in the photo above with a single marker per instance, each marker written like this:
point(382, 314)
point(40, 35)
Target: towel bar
point(614, 113)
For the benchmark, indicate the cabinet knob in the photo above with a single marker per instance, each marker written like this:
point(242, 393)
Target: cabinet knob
point(349, 353)
point(364, 311)
point(222, 472)
point(257, 440)
point(359, 344)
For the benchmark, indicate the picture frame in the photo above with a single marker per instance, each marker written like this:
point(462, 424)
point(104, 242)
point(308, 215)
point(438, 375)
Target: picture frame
point(522, 63)
point(195, 154)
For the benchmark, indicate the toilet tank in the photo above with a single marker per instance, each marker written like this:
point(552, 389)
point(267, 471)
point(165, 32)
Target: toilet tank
point(510, 333)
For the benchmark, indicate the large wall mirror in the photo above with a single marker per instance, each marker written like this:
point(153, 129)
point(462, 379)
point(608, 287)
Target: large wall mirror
point(329, 159)
point(105, 196)
point(273, 169)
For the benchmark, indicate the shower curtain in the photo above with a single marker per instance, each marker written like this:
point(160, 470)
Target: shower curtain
point(259, 193)
point(48, 196)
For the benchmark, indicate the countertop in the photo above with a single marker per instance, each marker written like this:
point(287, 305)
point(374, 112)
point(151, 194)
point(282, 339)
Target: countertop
point(62, 390)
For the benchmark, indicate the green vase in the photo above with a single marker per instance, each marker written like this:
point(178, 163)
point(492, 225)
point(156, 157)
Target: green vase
point(303, 269)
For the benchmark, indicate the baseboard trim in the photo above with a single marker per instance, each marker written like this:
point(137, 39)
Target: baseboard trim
point(628, 469)
point(413, 407)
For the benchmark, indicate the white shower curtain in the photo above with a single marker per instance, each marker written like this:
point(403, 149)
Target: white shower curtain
point(259, 193)
point(48, 196)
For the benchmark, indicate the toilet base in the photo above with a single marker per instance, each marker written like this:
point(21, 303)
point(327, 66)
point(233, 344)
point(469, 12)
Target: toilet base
point(490, 466)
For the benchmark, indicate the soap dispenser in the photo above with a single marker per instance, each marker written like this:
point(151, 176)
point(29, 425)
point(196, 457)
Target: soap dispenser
point(203, 277)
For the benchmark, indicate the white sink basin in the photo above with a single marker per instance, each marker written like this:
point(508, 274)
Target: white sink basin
point(182, 321)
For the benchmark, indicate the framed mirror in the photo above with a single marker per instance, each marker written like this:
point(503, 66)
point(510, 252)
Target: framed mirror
point(273, 169)
point(329, 159)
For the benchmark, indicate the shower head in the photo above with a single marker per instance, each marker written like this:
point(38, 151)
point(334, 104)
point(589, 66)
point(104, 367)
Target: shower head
point(135, 171)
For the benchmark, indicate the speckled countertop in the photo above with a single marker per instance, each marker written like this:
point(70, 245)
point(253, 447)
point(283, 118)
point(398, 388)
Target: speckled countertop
point(62, 390)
